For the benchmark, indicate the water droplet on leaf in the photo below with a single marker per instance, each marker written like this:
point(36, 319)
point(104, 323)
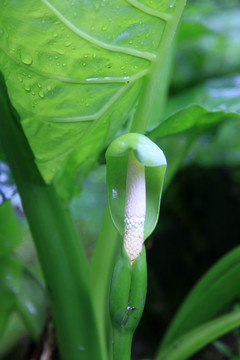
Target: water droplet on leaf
point(41, 94)
point(68, 43)
point(26, 58)
point(27, 88)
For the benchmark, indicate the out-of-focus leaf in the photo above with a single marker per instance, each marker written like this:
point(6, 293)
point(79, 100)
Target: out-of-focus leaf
point(10, 281)
point(188, 344)
point(208, 42)
point(214, 291)
point(31, 304)
point(10, 233)
point(88, 208)
point(7, 185)
point(74, 70)
point(15, 330)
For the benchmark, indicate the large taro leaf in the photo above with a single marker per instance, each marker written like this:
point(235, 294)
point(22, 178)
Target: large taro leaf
point(74, 70)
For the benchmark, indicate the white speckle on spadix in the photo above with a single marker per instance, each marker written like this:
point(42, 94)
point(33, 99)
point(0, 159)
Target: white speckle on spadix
point(135, 208)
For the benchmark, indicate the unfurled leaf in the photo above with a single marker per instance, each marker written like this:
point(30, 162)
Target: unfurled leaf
point(203, 106)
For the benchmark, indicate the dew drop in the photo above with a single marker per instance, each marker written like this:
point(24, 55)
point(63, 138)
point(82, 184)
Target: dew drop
point(172, 4)
point(55, 34)
point(41, 94)
point(26, 58)
point(27, 88)
point(68, 43)
point(1, 31)
point(20, 78)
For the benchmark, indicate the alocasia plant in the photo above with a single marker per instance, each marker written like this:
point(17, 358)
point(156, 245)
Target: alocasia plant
point(75, 73)
point(78, 73)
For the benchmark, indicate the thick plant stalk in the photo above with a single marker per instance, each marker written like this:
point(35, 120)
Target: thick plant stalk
point(129, 281)
point(60, 252)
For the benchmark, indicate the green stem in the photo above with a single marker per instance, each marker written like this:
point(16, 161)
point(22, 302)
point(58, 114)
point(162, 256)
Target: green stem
point(122, 344)
point(60, 252)
point(100, 275)
point(151, 81)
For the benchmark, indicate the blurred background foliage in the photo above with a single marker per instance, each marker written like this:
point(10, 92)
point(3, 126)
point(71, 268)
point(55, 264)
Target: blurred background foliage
point(199, 220)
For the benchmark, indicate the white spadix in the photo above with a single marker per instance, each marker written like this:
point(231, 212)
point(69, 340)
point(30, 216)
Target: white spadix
point(135, 208)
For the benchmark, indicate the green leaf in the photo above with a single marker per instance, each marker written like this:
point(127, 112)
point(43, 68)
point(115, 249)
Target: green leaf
point(203, 106)
point(15, 330)
point(10, 281)
point(10, 234)
point(85, 207)
point(75, 78)
point(215, 290)
point(152, 157)
point(208, 43)
point(187, 345)
point(31, 304)
point(206, 116)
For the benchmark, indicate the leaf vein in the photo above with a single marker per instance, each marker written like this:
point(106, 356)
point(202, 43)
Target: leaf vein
point(99, 80)
point(85, 36)
point(93, 117)
point(162, 15)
